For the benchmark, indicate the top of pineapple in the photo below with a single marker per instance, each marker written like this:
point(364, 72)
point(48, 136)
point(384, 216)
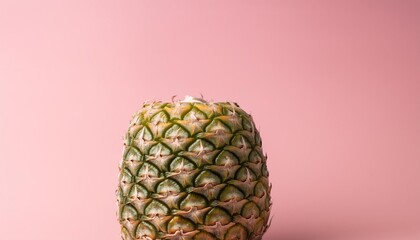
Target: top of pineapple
point(193, 99)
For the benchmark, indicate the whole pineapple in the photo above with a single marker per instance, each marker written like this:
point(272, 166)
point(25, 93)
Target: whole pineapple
point(193, 169)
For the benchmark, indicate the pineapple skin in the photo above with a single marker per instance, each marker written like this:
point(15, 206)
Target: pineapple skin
point(193, 170)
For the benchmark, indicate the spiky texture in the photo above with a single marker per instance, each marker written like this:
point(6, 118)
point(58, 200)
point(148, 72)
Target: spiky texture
point(193, 170)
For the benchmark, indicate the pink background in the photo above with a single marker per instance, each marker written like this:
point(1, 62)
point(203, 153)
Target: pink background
point(333, 85)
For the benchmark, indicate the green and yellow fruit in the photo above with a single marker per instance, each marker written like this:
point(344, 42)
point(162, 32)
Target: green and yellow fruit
point(193, 169)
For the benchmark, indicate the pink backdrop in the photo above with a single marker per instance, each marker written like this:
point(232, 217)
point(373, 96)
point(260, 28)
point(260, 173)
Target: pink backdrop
point(333, 85)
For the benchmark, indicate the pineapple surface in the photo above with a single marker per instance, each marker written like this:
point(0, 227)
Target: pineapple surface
point(193, 170)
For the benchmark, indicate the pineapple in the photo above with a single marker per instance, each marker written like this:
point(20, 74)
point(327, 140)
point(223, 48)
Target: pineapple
point(193, 169)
